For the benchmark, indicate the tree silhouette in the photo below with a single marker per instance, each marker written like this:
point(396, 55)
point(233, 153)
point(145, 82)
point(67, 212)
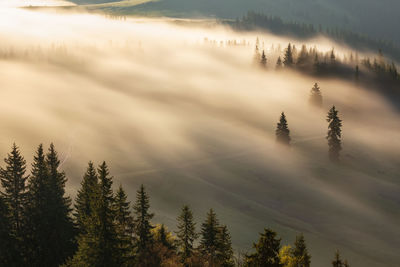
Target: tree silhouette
point(316, 96)
point(334, 134)
point(282, 131)
point(186, 234)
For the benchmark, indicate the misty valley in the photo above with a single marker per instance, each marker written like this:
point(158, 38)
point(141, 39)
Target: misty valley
point(134, 140)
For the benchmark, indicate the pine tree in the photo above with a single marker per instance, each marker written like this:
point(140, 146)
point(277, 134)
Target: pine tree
point(263, 61)
point(288, 59)
point(300, 253)
point(13, 182)
point(267, 251)
point(334, 134)
point(337, 262)
point(142, 226)
point(124, 226)
point(62, 231)
point(8, 253)
point(186, 234)
point(209, 242)
point(279, 64)
point(85, 196)
point(224, 250)
point(316, 96)
point(282, 131)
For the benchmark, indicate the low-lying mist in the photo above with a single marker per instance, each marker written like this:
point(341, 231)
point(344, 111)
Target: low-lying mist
point(194, 121)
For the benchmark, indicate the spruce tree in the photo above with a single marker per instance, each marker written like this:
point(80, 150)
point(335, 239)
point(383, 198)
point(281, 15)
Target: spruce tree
point(210, 241)
point(288, 60)
point(142, 226)
point(300, 253)
point(186, 234)
point(62, 231)
point(263, 61)
point(267, 251)
point(334, 134)
point(316, 96)
point(124, 226)
point(13, 182)
point(85, 196)
point(224, 250)
point(278, 63)
point(282, 131)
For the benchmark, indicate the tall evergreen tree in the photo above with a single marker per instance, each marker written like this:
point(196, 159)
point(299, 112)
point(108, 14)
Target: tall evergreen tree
point(282, 131)
point(334, 134)
point(288, 60)
point(316, 96)
point(86, 194)
point(279, 63)
point(143, 226)
point(210, 241)
point(7, 243)
point(13, 181)
point(300, 253)
point(267, 251)
point(224, 250)
point(124, 226)
point(263, 61)
point(337, 261)
point(186, 234)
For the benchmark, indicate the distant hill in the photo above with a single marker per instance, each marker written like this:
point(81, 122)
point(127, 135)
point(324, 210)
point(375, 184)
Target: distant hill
point(379, 19)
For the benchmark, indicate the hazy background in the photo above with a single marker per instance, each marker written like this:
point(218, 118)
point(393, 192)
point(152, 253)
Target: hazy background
point(194, 121)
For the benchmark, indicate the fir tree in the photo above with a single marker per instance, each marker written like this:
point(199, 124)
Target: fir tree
point(288, 60)
point(224, 250)
point(13, 182)
point(282, 131)
point(263, 61)
point(124, 226)
point(316, 96)
point(334, 134)
point(186, 234)
point(267, 251)
point(86, 194)
point(300, 253)
point(209, 242)
point(142, 226)
point(279, 63)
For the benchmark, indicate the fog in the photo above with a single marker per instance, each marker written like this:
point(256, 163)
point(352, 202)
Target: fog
point(194, 121)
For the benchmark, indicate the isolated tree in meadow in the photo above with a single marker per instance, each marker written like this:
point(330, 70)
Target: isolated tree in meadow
point(263, 61)
point(142, 227)
point(85, 196)
point(267, 251)
point(300, 252)
point(210, 241)
point(316, 96)
point(288, 60)
point(282, 131)
point(186, 234)
point(334, 134)
point(279, 63)
point(124, 226)
point(13, 182)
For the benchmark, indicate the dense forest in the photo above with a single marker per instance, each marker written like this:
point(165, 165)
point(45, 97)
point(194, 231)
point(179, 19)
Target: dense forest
point(41, 227)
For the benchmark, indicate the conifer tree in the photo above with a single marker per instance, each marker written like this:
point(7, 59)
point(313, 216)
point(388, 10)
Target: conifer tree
point(13, 182)
point(279, 63)
point(142, 226)
point(267, 251)
point(288, 60)
point(7, 243)
point(337, 261)
point(316, 96)
point(86, 194)
point(124, 226)
point(357, 74)
point(224, 250)
point(282, 131)
point(334, 134)
point(263, 61)
point(300, 253)
point(186, 234)
point(210, 241)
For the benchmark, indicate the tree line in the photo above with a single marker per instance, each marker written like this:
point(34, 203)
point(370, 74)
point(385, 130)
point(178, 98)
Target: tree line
point(39, 225)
